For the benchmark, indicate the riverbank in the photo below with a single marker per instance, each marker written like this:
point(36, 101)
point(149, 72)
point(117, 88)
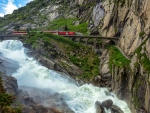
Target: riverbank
point(61, 54)
point(27, 99)
point(41, 77)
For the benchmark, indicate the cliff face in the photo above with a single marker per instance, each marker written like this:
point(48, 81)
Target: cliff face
point(126, 19)
point(129, 21)
point(38, 14)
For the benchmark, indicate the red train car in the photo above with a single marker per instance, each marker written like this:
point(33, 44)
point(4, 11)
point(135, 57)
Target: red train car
point(62, 33)
point(71, 33)
point(46, 31)
point(19, 32)
point(66, 33)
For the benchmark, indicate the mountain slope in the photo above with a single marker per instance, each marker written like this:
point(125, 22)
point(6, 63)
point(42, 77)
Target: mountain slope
point(38, 14)
point(126, 19)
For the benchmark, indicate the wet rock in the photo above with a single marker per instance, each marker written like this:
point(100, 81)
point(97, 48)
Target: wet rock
point(27, 45)
point(10, 84)
point(2, 67)
point(46, 62)
point(29, 105)
point(108, 93)
point(53, 102)
point(57, 67)
point(27, 109)
point(142, 110)
point(79, 82)
point(27, 100)
point(107, 103)
point(99, 108)
point(40, 109)
point(116, 109)
point(8, 66)
point(55, 110)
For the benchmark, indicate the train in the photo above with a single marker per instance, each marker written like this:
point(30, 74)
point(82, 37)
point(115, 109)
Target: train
point(45, 31)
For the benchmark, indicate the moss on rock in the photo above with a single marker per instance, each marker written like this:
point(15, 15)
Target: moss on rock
point(117, 58)
point(82, 56)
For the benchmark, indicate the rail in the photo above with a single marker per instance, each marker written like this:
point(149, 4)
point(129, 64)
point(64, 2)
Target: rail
point(91, 36)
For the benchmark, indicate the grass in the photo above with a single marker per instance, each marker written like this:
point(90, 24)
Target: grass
point(88, 63)
point(84, 57)
point(45, 37)
point(143, 59)
point(62, 22)
point(141, 34)
point(117, 58)
point(6, 101)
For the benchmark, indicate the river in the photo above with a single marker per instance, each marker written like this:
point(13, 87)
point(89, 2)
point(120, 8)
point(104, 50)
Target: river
point(81, 99)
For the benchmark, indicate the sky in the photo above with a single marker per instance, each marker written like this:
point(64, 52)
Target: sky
point(8, 6)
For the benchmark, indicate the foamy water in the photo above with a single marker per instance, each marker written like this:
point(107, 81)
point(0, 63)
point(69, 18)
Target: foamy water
point(80, 99)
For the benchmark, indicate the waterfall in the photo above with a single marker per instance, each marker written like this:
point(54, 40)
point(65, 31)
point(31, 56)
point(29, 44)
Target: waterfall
point(81, 99)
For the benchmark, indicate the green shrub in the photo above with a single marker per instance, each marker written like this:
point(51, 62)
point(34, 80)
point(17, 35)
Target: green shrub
point(143, 59)
point(117, 58)
point(141, 34)
point(84, 57)
point(6, 101)
point(62, 22)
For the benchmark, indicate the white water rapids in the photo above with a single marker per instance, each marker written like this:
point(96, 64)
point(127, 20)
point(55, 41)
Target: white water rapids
point(81, 99)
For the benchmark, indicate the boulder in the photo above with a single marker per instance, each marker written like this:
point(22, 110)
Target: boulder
point(98, 78)
point(106, 76)
point(55, 110)
point(99, 108)
point(107, 103)
point(116, 109)
point(27, 109)
point(142, 110)
point(10, 84)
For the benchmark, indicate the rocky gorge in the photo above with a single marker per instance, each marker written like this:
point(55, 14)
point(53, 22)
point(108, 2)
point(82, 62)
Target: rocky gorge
point(39, 85)
point(126, 19)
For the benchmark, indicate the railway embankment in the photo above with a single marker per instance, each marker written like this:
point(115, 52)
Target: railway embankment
point(128, 20)
point(64, 55)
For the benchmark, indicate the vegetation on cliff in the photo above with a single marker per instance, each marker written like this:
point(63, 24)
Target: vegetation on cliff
point(6, 101)
point(67, 24)
point(117, 58)
point(139, 86)
point(82, 56)
point(40, 14)
point(143, 59)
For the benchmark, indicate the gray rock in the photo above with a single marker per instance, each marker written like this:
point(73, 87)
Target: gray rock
point(10, 84)
point(98, 14)
point(99, 108)
point(76, 23)
point(8, 66)
point(116, 109)
point(107, 103)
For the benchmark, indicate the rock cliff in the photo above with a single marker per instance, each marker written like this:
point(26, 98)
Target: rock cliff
point(129, 21)
point(124, 68)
